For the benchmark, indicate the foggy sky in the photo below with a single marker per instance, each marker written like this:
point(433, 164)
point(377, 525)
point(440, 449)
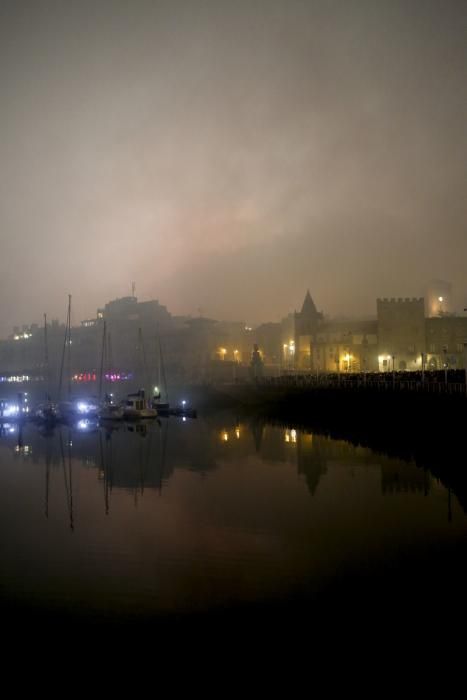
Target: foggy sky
point(226, 156)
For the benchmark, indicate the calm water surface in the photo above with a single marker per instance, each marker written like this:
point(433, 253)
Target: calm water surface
point(189, 516)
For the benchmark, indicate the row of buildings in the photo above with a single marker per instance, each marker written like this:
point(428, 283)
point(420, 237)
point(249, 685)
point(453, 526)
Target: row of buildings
point(405, 334)
point(401, 336)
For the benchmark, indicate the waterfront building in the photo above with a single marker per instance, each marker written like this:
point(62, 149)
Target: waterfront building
point(346, 346)
point(399, 337)
point(446, 337)
point(401, 333)
point(306, 325)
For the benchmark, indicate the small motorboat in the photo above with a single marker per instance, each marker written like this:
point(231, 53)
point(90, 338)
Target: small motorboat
point(136, 407)
point(109, 410)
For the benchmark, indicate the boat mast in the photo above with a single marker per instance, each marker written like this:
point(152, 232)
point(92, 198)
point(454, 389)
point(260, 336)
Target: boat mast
point(164, 380)
point(110, 361)
point(69, 346)
point(144, 368)
point(103, 352)
point(46, 359)
point(159, 371)
point(66, 341)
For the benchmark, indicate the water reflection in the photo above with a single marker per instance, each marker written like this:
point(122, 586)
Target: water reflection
point(193, 515)
point(135, 457)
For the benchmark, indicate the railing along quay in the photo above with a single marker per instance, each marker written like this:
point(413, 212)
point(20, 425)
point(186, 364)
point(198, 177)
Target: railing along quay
point(363, 383)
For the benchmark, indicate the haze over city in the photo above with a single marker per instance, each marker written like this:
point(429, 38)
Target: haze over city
point(228, 156)
point(233, 334)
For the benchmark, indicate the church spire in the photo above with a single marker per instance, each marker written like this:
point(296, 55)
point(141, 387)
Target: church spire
point(308, 307)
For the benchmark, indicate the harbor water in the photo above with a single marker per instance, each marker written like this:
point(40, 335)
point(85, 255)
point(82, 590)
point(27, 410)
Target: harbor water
point(178, 519)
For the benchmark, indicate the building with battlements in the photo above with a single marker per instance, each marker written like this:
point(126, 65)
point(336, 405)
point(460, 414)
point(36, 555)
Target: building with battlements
point(400, 337)
point(401, 333)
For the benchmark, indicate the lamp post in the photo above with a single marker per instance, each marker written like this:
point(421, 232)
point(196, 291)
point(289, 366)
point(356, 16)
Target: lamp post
point(445, 353)
point(423, 369)
point(291, 349)
point(393, 371)
point(235, 365)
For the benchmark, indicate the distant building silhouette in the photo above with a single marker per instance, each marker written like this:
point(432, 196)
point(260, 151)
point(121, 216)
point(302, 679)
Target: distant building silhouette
point(306, 325)
point(401, 333)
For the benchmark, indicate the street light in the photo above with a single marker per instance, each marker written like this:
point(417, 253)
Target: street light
point(284, 355)
point(235, 365)
point(348, 358)
point(445, 351)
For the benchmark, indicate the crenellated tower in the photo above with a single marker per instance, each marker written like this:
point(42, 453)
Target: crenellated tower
point(401, 332)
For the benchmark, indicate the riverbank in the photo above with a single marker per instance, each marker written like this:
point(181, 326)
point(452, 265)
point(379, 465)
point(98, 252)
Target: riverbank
point(426, 428)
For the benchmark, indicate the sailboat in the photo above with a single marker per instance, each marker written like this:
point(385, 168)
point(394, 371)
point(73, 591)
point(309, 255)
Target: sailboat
point(108, 409)
point(136, 405)
point(157, 402)
point(71, 409)
point(47, 411)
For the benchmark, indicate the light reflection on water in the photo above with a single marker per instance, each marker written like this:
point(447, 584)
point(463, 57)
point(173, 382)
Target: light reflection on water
point(178, 516)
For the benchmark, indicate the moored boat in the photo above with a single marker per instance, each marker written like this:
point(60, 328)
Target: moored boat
point(109, 410)
point(46, 412)
point(136, 406)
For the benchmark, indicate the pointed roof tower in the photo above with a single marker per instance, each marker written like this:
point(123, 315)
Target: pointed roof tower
point(308, 307)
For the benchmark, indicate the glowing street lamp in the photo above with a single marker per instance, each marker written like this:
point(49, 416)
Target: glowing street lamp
point(348, 358)
point(445, 352)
